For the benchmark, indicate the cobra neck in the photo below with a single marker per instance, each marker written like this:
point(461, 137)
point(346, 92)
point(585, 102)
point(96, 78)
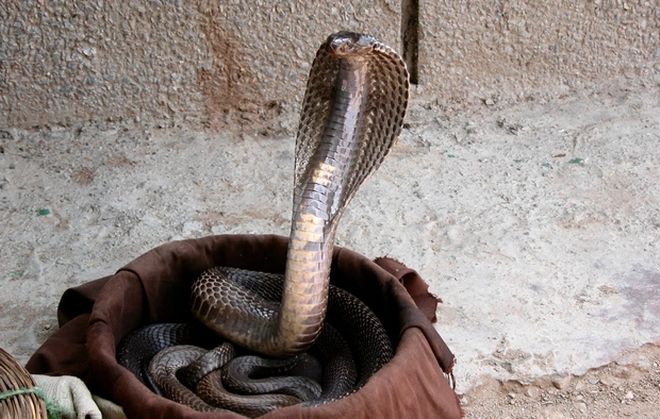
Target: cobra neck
point(318, 206)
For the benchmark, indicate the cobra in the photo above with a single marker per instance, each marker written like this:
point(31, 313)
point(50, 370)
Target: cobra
point(351, 115)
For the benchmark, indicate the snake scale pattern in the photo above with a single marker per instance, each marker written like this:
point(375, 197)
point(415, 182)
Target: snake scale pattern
point(269, 340)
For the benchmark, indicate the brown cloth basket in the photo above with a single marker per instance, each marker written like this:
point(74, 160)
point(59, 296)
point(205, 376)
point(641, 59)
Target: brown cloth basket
point(13, 377)
point(156, 287)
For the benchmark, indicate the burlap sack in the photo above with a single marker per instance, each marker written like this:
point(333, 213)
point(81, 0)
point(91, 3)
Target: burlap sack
point(155, 288)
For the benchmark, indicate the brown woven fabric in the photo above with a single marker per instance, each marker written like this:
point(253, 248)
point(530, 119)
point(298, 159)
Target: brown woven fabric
point(155, 288)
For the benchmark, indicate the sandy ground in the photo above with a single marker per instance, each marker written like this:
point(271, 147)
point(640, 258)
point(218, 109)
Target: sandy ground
point(628, 387)
point(538, 225)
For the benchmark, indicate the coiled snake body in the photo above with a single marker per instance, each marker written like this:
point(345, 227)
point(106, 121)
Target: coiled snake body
point(351, 115)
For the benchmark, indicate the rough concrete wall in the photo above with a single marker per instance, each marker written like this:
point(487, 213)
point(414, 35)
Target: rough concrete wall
point(63, 61)
point(503, 50)
point(207, 61)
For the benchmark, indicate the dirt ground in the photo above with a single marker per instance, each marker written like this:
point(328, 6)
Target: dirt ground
point(629, 387)
point(537, 224)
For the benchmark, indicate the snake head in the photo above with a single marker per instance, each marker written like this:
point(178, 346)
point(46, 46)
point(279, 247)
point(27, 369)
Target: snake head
point(347, 44)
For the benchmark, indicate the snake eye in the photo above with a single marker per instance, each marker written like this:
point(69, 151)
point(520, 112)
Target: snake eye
point(340, 45)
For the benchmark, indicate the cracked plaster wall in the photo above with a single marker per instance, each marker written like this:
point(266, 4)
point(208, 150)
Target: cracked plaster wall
point(64, 62)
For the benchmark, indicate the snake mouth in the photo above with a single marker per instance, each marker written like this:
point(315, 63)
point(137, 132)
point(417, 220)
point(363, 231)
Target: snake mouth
point(346, 44)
